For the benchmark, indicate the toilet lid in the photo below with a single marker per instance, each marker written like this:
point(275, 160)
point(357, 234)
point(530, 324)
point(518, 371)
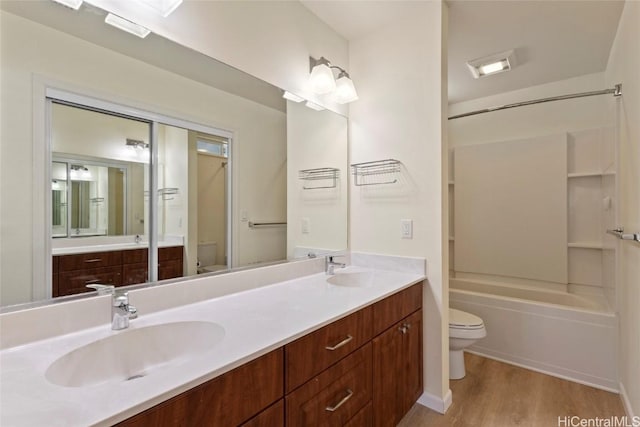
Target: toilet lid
point(462, 320)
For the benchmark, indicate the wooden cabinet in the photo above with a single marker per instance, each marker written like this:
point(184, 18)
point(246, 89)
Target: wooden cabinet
point(72, 273)
point(397, 370)
point(335, 396)
point(313, 353)
point(340, 375)
point(228, 400)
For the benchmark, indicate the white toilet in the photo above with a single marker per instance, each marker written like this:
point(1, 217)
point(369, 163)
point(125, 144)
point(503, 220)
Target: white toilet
point(207, 258)
point(464, 329)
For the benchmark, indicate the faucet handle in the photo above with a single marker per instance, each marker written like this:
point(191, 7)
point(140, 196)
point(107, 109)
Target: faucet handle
point(102, 289)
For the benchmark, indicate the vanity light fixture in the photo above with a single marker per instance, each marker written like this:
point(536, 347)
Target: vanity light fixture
point(163, 7)
point(292, 97)
point(314, 106)
point(492, 64)
point(73, 4)
point(128, 26)
point(136, 144)
point(323, 81)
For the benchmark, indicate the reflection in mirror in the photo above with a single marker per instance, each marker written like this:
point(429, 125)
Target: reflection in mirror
point(73, 51)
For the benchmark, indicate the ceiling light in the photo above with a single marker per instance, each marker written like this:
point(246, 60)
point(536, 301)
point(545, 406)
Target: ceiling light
point(314, 106)
point(163, 7)
point(321, 77)
point(492, 64)
point(345, 90)
point(292, 97)
point(128, 26)
point(73, 4)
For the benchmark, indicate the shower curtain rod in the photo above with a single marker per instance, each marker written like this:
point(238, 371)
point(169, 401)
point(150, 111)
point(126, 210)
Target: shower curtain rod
point(616, 91)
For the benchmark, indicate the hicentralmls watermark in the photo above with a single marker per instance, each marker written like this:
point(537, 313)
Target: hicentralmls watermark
point(576, 421)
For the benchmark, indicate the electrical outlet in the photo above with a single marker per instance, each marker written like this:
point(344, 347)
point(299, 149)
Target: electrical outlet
point(305, 225)
point(407, 228)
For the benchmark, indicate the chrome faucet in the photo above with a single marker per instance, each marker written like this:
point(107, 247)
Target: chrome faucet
point(138, 239)
point(330, 264)
point(121, 311)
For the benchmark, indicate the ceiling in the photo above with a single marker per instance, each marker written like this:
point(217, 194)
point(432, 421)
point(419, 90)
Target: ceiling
point(553, 40)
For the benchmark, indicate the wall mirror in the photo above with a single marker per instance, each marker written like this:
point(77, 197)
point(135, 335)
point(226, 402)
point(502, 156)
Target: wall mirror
point(233, 185)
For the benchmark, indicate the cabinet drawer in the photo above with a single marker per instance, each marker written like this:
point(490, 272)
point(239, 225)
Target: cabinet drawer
point(135, 256)
point(313, 353)
point(228, 400)
point(273, 416)
point(75, 282)
point(396, 307)
point(134, 273)
point(173, 252)
point(90, 260)
point(335, 396)
point(362, 418)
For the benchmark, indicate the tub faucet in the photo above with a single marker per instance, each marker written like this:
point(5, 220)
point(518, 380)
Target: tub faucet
point(330, 264)
point(121, 311)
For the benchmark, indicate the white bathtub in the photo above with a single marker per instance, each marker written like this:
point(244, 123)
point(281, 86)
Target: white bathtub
point(558, 333)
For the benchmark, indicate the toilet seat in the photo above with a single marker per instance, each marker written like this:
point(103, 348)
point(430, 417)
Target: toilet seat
point(465, 325)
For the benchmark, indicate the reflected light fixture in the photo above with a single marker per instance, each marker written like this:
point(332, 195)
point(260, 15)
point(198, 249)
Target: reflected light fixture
point(323, 81)
point(292, 97)
point(73, 4)
point(314, 106)
point(128, 26)
point(492, 64)
point(136, 144)
point(163, 7)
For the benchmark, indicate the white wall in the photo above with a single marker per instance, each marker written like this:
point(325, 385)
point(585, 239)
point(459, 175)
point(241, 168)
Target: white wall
point(32, 53)
point(271, 40)
point(532, 120)
point(624, 67)
point(316, 139)
point(402, 85)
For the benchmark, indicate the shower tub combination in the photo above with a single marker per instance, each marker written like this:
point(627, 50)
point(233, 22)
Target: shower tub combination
point(557, 333)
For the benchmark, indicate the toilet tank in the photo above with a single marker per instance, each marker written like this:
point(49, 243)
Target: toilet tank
point(207, 254)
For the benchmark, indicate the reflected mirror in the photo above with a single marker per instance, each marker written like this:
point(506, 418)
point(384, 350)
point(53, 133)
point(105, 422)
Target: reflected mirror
point(230, 183)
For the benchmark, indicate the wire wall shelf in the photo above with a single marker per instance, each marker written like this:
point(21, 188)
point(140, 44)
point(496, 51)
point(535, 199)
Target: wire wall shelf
point(164, 193)
point(378, 172)
point(328, 178)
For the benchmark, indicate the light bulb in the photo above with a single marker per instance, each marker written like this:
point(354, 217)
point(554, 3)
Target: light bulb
point(322, 80)
point(345, 90)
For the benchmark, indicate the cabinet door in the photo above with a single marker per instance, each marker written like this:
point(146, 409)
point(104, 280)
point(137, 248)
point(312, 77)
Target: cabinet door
point(169, 269)
point(397, 370)
point(226, 401)
point(134, 273)
point(411, 362)
point(75, 282)
point(273, 416)
point(387, 349)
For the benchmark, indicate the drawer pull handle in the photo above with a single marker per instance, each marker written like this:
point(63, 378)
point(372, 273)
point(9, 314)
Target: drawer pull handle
point(403, 329)
point(342, 402)
point(86, 282)
point(340, 344)
point(93, 260)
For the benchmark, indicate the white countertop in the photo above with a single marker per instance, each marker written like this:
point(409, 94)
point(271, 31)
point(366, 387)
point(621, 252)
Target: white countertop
point(109, 247)
point(255, 322)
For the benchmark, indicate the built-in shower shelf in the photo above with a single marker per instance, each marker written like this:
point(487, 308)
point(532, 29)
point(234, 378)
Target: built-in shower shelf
point(585, 245)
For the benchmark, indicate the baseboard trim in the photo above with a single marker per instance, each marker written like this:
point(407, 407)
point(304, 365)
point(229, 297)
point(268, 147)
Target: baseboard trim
point(438, 404)
point(625, 402)
point(554, 371)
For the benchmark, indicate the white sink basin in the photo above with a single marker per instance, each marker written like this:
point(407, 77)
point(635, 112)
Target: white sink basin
point(351, 278)
point(134, 353)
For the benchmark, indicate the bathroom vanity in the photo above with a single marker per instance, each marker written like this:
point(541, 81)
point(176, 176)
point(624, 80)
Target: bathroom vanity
point(281, 345)
point(364, 369)
point(73, 272)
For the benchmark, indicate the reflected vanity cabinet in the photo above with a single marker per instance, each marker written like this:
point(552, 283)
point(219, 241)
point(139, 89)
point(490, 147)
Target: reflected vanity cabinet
point(362, 370)
point(72, 273)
